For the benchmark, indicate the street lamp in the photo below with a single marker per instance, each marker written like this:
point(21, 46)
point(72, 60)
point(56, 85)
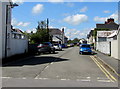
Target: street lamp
point(7, 6)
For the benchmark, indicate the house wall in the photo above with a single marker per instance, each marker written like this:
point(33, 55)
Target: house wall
point(0, 30)
point(103, 47)
point(114, 49)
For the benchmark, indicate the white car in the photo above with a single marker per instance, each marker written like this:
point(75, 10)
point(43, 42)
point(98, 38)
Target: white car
point(57, 46)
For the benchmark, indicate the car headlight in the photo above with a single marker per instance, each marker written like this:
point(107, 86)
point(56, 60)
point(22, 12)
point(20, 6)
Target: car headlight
point(81, 49)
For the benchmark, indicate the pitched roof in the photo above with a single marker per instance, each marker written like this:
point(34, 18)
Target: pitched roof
point(111, 26)
point(15, 30)
point(55, 31)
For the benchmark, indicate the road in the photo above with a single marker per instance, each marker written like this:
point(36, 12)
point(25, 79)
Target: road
point(66, 68)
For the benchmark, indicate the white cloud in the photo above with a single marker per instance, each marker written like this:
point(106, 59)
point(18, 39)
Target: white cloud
point(100, 19)
point(74, 33)
point(22, 24)
point(65, 14)
point(54, 1)
point(115, 16)
point(18, 1)
point(106, 11)
point(76, 19)
point(70, 4)
point(25, 24)
point(84, 9)
point(37, 9)
point(103, 19)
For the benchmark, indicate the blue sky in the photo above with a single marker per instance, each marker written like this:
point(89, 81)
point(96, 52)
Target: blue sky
point(78, 18)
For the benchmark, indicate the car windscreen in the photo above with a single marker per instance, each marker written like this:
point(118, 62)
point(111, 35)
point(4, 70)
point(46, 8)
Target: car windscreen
point(45, 44)
point(85, 46)
point(56, 44)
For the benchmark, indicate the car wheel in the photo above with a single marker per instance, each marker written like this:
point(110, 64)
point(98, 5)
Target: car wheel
point(49, 51)
point(39, 53)
point(53, 51)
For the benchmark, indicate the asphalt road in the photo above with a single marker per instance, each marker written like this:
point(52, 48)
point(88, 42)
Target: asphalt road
point(66, 68)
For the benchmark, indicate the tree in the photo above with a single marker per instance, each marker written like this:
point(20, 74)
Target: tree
point(76, 40)
point(42, 34)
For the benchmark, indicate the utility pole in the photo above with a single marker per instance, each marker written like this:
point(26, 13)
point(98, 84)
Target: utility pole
point(63, 35)
point(48, 29)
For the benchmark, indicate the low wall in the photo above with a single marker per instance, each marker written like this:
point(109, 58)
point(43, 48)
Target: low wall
point(103, 47)
point(17, 46)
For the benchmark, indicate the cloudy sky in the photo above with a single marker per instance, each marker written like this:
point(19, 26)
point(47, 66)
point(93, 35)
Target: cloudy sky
point(78, 18)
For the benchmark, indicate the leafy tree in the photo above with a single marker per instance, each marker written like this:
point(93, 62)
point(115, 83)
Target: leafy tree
point(42, 34)
point(76, 40)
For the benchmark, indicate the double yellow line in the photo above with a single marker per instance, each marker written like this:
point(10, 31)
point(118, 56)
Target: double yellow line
point(105, 71)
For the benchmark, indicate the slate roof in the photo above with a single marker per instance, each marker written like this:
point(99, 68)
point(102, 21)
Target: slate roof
point(55, 31)
point(110, 26)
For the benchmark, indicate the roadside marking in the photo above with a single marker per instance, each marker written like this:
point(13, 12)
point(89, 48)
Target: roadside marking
point(6, 77)
point(103, 80)
point(42, 78)
point(51, 63)
point(63, 79)
point(108, 72)
point(109, 66)
point(108, 75)
point(85, 80)
point(24, 78)
point(46, 67)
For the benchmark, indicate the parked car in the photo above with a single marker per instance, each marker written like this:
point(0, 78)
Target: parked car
point(64, 46)
point(46, 47)
point(57, 46)
point(70, 45)
point(85, 48)
point(78, 44)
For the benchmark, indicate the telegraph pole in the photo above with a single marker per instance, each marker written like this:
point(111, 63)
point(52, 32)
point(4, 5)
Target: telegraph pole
point(48, 29)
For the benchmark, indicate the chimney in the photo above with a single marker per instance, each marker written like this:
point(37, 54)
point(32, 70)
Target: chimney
point(63, 30)
point(110, 20)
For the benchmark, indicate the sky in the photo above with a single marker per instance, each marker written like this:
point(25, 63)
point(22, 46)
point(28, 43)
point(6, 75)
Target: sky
point(77, 18)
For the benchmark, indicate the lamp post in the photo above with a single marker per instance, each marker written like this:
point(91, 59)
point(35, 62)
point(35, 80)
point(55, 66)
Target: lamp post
point(6, 33)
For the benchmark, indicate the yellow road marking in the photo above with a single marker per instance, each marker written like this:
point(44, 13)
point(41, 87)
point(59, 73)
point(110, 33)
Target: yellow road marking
point(102, 69)
point(108, 75)
point(110, 67)
point(107, 71)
